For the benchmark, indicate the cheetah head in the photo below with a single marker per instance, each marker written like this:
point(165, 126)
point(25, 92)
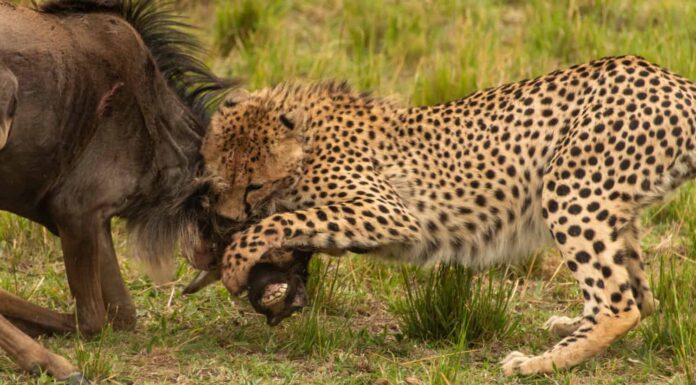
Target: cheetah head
point(254, 149)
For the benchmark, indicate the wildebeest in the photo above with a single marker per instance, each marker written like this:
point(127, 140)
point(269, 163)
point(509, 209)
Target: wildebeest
point(102, 109)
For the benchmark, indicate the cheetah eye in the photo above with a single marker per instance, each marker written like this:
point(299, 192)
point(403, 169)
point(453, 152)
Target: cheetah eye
point(253, 187)
point(287, 122)
point(230, 102)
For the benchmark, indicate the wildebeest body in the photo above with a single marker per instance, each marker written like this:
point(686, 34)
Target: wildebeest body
point(90, 111)
point(108, 119)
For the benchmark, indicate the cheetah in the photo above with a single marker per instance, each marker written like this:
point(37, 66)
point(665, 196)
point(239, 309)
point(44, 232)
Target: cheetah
point(570, 158)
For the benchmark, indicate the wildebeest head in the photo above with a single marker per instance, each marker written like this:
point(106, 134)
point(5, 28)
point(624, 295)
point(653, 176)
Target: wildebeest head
point(277, 293)
point(275, 290)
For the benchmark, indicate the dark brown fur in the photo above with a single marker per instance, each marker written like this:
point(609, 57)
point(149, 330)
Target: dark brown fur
point(107, 106)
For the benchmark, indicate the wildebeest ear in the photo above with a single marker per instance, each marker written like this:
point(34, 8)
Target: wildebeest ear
point(8, 102)
point(235, 97)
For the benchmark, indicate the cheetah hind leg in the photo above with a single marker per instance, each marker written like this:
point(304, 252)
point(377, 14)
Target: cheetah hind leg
point(610, 308)
point(591, 338)
point(633, 259)
point(563, 326)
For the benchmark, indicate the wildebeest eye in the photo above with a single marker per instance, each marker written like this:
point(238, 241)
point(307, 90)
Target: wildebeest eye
point(287, 122)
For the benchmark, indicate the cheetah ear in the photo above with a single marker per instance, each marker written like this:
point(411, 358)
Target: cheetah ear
point(235, 97)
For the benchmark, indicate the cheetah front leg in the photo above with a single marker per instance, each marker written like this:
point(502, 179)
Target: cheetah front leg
point(360, 224)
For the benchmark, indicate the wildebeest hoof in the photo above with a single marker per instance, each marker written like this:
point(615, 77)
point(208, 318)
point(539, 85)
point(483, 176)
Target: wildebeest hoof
point(77, 379)
point(35, 370)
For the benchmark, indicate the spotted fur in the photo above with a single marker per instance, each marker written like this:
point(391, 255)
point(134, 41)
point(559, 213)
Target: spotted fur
point(569, 158)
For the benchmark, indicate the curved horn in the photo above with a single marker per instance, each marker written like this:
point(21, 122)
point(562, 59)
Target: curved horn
point(203, 279)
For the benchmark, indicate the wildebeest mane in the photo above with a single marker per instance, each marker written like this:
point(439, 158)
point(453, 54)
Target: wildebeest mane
point(171, 44)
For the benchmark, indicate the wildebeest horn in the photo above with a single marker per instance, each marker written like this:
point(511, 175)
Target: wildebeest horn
point(203, 279)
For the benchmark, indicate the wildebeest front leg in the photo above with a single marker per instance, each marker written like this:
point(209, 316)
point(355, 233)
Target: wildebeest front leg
point(31, 356)
point(117, 300)
point(8, 102)
point(83, 243)
point(36, 320)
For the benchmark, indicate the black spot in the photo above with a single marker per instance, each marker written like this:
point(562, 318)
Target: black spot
point(562, 190)
point(572, 266)
point(606, 271)
point(582, 257)
point(598, 247)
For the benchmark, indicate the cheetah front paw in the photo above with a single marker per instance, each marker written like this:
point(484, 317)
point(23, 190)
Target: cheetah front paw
point(562, 326)
point(520, 363)
point(237, 264)
point(235, 278)
point(513, 362)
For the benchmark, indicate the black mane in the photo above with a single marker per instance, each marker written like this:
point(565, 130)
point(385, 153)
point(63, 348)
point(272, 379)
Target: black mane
point(171, 45)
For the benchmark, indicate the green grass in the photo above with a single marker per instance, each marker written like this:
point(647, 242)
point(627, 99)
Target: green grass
point(674, 328)
point(367, 326)
point(454, 304)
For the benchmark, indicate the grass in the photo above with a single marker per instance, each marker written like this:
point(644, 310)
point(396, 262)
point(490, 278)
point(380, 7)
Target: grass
point(367, 315)
point(454, 304)
point(674, 328)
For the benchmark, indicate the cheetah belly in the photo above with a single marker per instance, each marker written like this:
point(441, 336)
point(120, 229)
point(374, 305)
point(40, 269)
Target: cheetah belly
point(513, 243)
